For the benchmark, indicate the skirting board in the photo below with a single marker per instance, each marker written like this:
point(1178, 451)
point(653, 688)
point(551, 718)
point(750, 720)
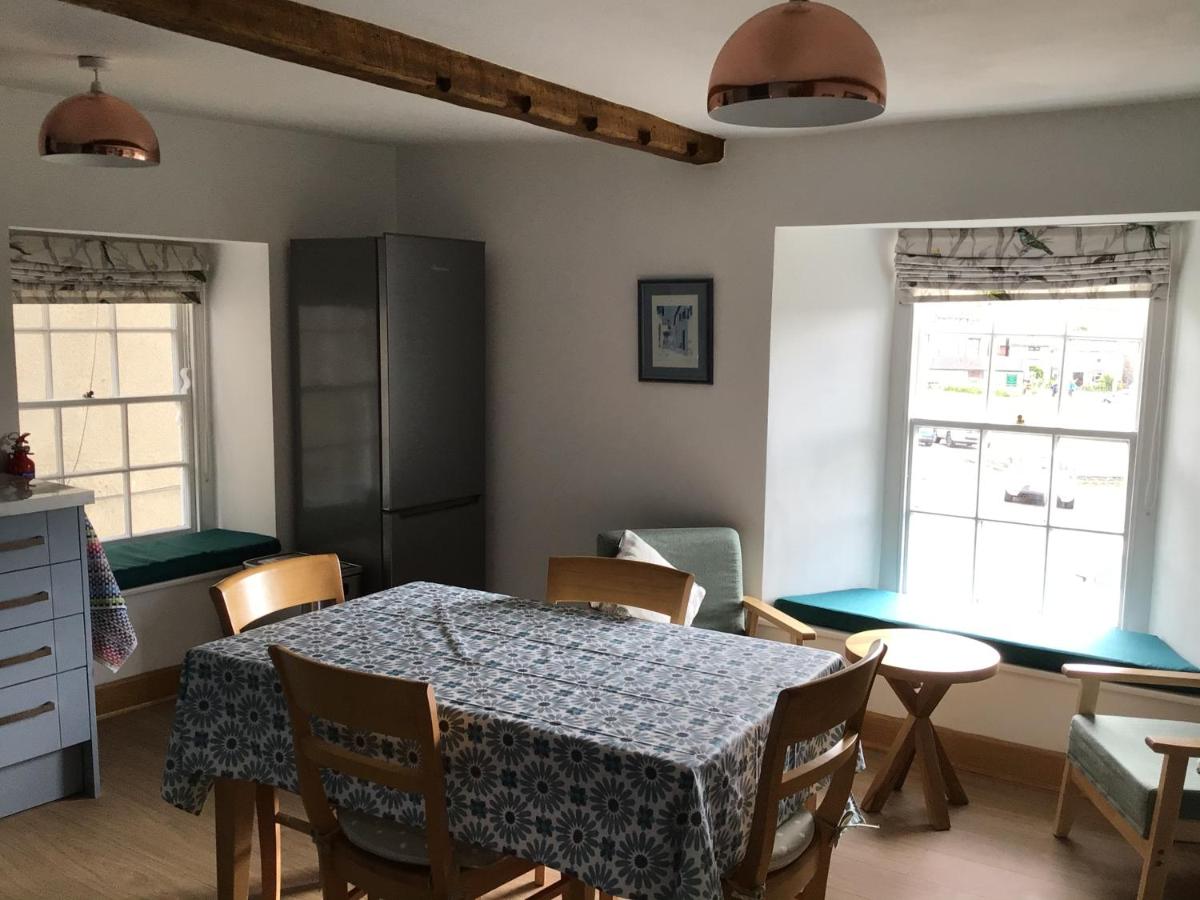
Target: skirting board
point(136, 691)
point(1002, 760)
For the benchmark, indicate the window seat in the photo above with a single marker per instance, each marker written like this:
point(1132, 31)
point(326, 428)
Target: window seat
point(151, 560)
point(1029, 642)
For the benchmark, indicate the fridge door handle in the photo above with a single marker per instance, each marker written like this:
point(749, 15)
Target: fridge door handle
point(425, 508)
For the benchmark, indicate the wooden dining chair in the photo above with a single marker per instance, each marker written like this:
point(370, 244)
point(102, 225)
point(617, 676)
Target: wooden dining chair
point(626, 582)
point(790, 859)
point(1140, 773)
point(381, 857)
point(241, 601)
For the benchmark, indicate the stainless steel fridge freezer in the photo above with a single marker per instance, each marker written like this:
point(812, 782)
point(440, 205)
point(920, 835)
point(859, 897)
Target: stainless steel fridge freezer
point(387, 339)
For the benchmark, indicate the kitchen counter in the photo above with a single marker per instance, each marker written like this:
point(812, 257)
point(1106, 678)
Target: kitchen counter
point(19, 497)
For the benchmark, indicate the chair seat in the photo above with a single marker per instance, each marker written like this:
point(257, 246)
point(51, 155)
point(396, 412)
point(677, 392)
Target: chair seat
point(404, 843)
point(792, 838)
point(1111, 751)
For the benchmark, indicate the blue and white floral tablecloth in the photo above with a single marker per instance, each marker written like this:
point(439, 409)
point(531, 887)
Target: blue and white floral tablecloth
point(624, 752)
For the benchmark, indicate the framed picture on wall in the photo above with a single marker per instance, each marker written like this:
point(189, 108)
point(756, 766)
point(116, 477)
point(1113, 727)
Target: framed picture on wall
point(675, 330)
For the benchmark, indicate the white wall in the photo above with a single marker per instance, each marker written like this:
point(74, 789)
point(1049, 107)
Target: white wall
point(219, 181)
point(831, 335)
point(241, 395)
point(577, 444)
point(1175, 610)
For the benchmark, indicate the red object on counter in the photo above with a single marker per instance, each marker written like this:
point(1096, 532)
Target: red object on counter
point(20, 458)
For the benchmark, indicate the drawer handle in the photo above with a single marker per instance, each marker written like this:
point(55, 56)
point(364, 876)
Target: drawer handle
point(23, 543)
point(13, 718)
point(27, 600)
point(40, 653)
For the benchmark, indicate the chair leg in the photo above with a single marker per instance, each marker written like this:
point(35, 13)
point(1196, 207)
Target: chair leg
point(815, 889)
point(1069, 798)
point(1162, 827)
point(539, 876)
point(266, 807)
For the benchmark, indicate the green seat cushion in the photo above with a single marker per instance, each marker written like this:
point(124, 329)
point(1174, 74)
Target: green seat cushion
point(712, 555)
point(1033, 645)
point(151, 560)
point(1111, 751)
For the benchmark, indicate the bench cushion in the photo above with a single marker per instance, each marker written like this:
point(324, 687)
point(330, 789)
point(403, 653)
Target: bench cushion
point(1044, 647)
point(151, 560)
point(712, 555)
point(1111, 751)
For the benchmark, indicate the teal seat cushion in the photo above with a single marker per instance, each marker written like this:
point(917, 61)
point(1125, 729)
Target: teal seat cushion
point(1022, 641)
point(151, 560)
point(1111, 751)
point(712, 555)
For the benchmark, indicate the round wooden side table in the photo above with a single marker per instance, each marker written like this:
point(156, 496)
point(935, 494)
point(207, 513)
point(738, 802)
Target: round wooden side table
point(921, 666)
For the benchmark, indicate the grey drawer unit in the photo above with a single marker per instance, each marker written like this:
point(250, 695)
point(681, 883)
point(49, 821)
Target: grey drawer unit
point(29, 720)
point(47, 705)
point(24, 542)
point(25, 597)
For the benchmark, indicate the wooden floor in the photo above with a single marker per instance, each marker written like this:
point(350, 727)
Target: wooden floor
point(130, 844)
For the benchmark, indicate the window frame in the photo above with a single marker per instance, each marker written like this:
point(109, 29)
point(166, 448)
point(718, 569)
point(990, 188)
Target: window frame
point(1145, 450)
point(190, 351)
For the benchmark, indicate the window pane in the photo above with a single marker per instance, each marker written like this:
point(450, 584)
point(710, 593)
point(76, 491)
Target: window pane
point(147, 363)
point(155, 433)
point(945, 465)
point(951, 376)
point(1102, 384)
point(144, 315)
point(1090, 480)
point(1009, 567)
point(108, 512)
point(29, 315)
point(1083, 577)
point(79, 315)
point(1026, 372)
point(157, 499)
point(42, 438)
point(1108, 318)
point(82, 362)
point(92, 438)
point(1014, 481)
point(941, 553)
point(31, 366)
point(1047, 318)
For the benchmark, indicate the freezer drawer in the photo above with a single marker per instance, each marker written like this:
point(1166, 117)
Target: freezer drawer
point(442, 544)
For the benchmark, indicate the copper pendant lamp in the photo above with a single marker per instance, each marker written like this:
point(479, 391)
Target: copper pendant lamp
point(97, 129)
point(799, 64)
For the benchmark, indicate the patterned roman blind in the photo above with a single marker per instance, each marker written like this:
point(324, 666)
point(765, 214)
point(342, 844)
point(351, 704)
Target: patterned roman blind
point(1034, 263)
point(57, 268)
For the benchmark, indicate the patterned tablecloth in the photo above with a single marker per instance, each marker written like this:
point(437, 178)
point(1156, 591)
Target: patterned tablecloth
point(621, 751)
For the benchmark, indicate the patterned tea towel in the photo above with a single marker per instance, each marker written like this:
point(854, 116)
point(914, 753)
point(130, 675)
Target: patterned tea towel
point(113, 637)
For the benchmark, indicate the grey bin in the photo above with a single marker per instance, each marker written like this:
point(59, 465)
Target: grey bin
point(351, 572)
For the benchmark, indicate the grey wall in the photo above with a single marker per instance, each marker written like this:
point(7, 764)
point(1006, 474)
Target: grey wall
point(577, 443)
point(218, 181)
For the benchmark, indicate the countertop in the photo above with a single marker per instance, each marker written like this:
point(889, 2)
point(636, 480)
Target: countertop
point(19, 497)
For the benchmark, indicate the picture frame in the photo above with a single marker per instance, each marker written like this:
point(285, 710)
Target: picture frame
point(675, 330)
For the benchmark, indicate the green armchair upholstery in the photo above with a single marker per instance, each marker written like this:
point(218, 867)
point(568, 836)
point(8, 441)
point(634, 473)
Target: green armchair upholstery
point(714, 557)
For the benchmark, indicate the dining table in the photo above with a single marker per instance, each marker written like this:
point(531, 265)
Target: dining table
point(623, 753)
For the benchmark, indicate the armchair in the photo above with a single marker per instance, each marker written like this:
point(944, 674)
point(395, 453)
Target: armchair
point(714, 557)
point(1140, 773)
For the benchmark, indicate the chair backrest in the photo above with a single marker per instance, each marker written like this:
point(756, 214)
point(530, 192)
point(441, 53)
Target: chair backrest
point(374, 704)
point(712, 555)
point(595, 579)
point(244, 598)
point(801, 713)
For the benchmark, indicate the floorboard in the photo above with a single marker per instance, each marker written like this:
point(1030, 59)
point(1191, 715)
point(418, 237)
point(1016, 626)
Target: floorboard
point(131, 845)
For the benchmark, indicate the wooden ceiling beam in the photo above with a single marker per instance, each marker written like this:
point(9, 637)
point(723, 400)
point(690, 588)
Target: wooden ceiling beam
point(319, 39)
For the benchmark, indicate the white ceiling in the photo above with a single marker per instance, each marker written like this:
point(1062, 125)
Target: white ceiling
point(945, 58)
